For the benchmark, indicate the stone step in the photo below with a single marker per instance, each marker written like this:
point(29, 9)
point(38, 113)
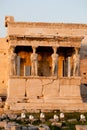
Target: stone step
point(62, 100)
point(49, 106)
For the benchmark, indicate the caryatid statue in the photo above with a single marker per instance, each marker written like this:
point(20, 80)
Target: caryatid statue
point(76, 58)
point(54, 62)
point(12, 61)
point(34, 62)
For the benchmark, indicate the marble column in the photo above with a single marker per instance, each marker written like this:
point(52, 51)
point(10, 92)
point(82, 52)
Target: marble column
point(18, 65)
point(54, 62)
point(69, 67)
point(34, 62)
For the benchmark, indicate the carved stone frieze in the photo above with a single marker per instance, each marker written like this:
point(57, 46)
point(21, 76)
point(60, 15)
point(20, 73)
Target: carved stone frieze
point(45, 41)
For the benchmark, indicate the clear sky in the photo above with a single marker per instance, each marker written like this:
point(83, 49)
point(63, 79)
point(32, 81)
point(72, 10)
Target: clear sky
point(65, 11)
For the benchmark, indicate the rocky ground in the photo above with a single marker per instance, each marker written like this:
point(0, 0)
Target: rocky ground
point(43, 121)
point(53, 120)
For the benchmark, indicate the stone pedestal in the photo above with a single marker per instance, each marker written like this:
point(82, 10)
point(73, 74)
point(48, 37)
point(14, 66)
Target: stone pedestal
point(44, 93)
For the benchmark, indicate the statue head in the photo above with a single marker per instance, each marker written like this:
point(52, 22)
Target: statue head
point(34, 49)
point(12, 49)
point(55, 49)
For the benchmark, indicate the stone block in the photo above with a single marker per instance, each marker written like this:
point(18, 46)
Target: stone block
point(58, 124)
point(40, 128)
point(81, 127)
point(70, 81)
point(51, 88)
point(44, 127)
point(3, 123)
point(24, 128)
point(33, 128)
point(12, 116)
point(70, 90)
point(72, 120)
point(10, 126)
point(15, 128)
point(33, 88)
point(16, 87)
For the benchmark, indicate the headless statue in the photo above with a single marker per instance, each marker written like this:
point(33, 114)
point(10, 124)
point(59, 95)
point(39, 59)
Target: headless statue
point(12, 63)
point(54, 62)
point(76, 64)
point(34, 63)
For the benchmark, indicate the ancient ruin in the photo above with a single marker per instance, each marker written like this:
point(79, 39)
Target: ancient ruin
point(43, 66)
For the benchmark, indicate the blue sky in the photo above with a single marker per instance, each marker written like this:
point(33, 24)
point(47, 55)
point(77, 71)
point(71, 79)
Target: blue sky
point(65, 11)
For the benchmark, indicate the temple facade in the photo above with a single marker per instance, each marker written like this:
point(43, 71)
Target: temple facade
point(44, 66)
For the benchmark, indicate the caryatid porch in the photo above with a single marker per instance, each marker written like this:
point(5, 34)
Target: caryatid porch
point(31, 53)
point(45, 73)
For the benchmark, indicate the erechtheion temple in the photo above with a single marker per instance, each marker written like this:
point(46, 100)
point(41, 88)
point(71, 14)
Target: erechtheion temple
point(43, 66)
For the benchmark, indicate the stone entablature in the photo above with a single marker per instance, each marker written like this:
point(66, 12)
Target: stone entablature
point(44, 40)
point(54, 29)
point(46, 25)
